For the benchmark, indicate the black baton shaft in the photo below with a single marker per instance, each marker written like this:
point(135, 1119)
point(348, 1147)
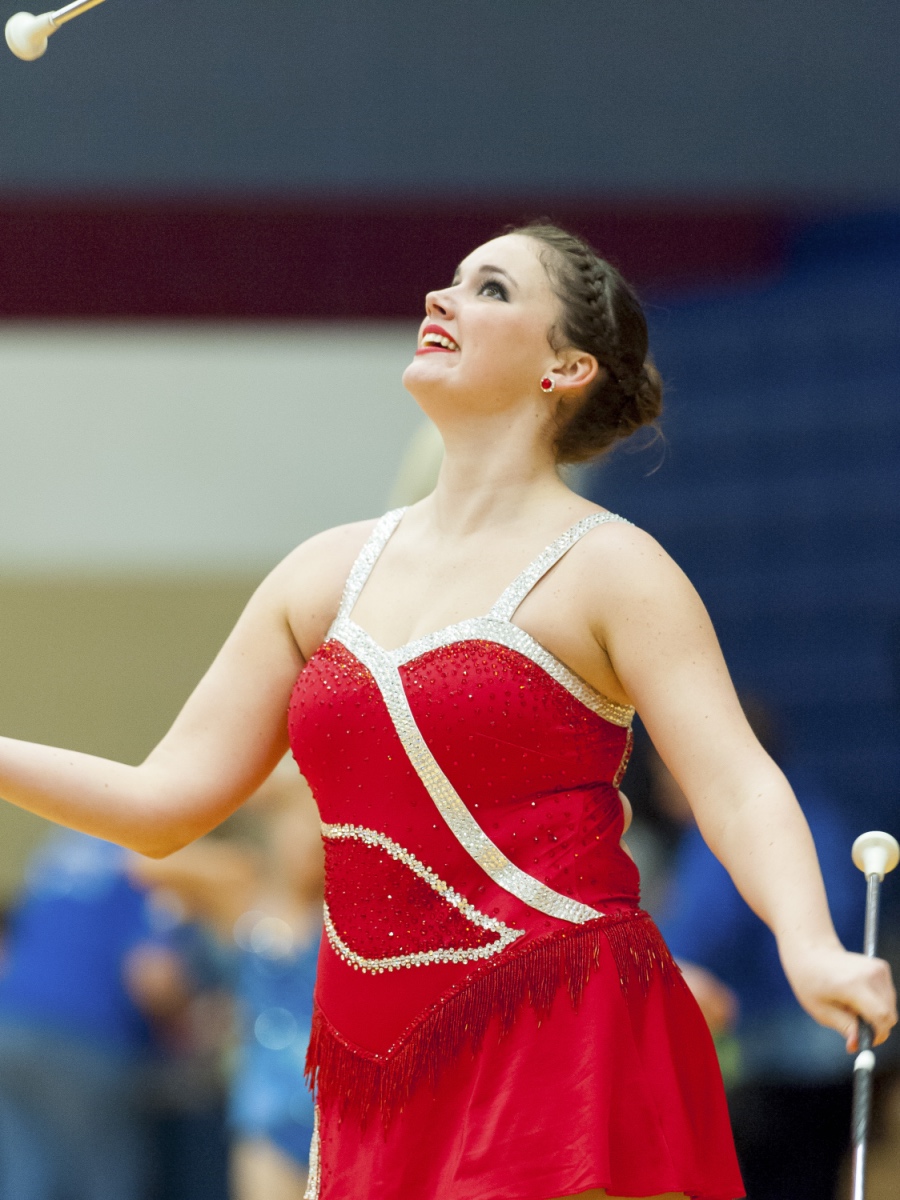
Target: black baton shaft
point(865, 1061)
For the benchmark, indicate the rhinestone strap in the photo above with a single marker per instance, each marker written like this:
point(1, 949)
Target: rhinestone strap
point(517, 591)
point(449, 804)
point(366, 559)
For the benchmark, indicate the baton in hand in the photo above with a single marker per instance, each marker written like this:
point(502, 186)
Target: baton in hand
point(875, 854)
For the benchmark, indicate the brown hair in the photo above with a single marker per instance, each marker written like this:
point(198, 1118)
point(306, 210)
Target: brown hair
point(602, 315)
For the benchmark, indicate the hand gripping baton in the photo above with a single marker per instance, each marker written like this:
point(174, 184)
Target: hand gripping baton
point(875, 854)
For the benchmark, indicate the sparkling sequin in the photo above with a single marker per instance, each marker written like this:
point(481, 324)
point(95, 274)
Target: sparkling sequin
point(496, 626)
point(477, 947)
point(626, 758)
point(489, 629)
point(314, 1178)
point(383, 665)
point(366, 559)
point(517, 591)
point(449, 804)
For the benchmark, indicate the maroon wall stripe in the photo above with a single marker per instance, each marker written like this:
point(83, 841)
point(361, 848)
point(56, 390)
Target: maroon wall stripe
point(342, 259)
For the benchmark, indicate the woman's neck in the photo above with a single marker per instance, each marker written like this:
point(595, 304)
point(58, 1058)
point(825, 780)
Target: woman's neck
point(494, 478)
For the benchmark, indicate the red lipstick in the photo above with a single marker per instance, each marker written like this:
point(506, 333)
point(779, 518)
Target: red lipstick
point(433, 339)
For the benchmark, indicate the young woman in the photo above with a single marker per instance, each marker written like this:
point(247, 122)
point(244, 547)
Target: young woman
point(496, 1018)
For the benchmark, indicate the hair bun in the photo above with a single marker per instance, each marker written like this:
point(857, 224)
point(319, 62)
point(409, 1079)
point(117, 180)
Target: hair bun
point(641, 401)
point(644, 404)
point(601, 314)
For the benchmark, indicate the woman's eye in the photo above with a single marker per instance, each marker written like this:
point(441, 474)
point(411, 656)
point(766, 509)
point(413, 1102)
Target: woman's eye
point(493, 287)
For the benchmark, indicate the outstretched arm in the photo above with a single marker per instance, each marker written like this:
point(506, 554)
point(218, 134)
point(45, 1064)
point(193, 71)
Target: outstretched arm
point(226, 740)
point(660, 641)
point(228, 737)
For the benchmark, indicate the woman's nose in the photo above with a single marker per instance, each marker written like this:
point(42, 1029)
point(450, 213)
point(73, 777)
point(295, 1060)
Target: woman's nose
point(438, 304)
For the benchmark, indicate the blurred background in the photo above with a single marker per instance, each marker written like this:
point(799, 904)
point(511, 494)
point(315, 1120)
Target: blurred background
point(217, 225)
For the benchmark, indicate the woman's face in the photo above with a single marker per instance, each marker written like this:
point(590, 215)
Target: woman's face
point(484, 340)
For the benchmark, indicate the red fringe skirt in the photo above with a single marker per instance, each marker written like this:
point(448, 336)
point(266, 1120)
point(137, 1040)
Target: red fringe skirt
point(580, 1061)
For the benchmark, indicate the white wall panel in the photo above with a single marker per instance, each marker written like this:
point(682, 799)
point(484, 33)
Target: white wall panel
point(148, 447)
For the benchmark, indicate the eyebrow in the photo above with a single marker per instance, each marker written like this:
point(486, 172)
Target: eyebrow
point(487, 269)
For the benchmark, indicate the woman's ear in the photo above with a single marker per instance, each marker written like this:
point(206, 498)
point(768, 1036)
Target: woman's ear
point(576, 370)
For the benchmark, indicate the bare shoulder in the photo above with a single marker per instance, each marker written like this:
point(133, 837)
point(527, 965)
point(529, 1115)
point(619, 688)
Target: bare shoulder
point(310, 580)
point(619, 549)
point(330, 550)
point(623, 571)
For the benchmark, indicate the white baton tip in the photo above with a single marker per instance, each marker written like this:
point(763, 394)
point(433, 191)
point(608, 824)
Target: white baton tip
point(876, 853)
point(865, 1061)
point(26, 35)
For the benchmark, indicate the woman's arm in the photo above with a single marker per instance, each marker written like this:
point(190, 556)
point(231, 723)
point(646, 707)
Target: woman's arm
point(228, 737)
point(661, 644)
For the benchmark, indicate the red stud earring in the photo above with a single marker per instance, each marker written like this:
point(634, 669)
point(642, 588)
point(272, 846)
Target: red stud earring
point(547, 384)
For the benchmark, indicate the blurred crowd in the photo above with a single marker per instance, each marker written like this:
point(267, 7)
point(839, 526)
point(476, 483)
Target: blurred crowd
point(154, 1014)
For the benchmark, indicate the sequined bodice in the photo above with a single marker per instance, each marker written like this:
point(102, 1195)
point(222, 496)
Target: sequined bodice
point(467, 785)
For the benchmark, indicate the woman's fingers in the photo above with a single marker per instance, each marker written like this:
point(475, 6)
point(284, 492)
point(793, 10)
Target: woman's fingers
point(867, 991)
point(717, 1002)
point(877, 1001)
point(627, 811)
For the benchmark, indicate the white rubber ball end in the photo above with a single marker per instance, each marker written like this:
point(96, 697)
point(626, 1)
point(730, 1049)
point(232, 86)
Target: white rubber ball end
point(876, 853)
point(26, 35)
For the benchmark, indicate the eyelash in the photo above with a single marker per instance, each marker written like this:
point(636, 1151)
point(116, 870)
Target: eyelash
point(494, 283)
point(499, 287)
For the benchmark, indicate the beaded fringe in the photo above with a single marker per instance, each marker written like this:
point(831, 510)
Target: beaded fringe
point(365, 1083)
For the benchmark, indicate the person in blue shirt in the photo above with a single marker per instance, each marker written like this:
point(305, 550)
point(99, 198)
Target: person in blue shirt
point(73, 1032)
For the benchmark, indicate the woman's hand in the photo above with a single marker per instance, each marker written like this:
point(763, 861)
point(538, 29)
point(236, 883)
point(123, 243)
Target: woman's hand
point(716, 1000)
point(836, 987)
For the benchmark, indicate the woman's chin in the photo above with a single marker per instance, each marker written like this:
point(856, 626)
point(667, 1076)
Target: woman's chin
point(425, 375)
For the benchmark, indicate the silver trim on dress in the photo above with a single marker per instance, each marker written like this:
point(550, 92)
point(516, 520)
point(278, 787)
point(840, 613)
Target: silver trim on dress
point(446, 799)
point(488, 629)
point(506, 606)
point(365, 561)
point(496, 627)
point(371, 837)
point(314, 1178)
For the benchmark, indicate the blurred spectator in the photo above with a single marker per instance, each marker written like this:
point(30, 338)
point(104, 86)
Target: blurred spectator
point(74, 1036)
point(263, 896)
point(184, 1089)
point(790, 1093)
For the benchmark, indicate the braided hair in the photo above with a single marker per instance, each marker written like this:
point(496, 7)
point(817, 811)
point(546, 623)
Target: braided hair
point(602, 315)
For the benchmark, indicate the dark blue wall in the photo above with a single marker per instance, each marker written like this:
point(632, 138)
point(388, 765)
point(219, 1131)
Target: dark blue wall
point(660, 97)
point(778, 490)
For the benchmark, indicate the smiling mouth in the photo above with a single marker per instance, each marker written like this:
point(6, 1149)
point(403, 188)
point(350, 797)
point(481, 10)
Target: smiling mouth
point(437, 343)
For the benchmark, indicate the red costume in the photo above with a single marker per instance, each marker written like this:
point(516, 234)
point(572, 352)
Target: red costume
point(496, 1018)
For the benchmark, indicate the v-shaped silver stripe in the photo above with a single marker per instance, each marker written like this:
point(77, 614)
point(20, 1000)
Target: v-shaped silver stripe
point(520, 587)
point(446, 799)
